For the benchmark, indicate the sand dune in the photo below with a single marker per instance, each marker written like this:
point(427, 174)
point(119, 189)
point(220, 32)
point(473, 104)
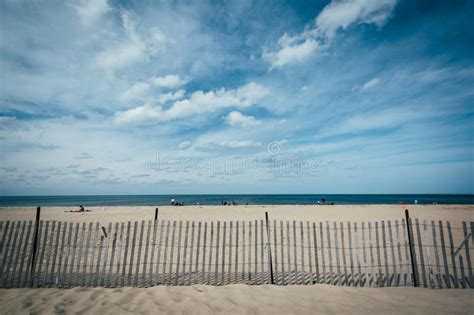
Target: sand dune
point(321, 299)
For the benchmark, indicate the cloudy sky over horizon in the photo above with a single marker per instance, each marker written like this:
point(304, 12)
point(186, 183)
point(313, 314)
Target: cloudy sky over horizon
point(156, 97)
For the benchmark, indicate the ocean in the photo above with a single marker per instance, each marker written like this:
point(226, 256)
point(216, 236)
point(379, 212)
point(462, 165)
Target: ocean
point(275, 199)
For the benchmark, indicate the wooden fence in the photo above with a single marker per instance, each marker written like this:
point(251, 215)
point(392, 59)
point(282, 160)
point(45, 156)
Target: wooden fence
point(148, 253)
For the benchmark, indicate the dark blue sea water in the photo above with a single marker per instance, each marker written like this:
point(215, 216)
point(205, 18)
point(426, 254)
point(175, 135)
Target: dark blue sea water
point(160, 200)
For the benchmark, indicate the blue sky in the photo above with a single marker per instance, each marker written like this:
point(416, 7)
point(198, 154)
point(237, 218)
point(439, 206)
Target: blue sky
point(148, 97)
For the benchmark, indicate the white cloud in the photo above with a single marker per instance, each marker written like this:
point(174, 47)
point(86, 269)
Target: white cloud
point(184, 145)
point(370, 84)
point(336, 15)
point(341, 14)
point(138, 91)
point(90, 11)
point(171, 96)
point(132, 49)
point(292, 53)
point(236, 118)
point(199, 103)
point(168, 81)
point(239, 144)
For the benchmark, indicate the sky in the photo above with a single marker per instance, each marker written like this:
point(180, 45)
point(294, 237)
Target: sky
point(158, 97)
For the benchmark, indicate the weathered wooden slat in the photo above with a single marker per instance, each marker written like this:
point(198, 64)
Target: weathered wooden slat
point(336, 248)
point(178, 258)
point(356, 241)
point(61, 254)
point(162, 265)
point(244, 250)
point(144, 280)
point(303, 272)
point(15, 256)
point(209, 270)
point(310, 257)
point(275, 252)
point(364, 256)
point(12, 272)
point(185, 252)
point(372, 261)
point(99, 259)
point(73, 258)
point(288, 253)
point(323, 262)
point(421, 256)
point(95, 248)
point(125, 254)
point(198, 247)
point(204, 253)
point(66, 255)
point(8, 249)
point(282, 253)
point(262, 253)
point(331, 272)
point(463, 274)
point(447, 277)
point(20, 262)
point(152, 275)
point(191, 261)
point(55, 254)
point(216, 267)
point(384, 242)
point(409, 278)
point(223, 254)
point(399, 251)
point(295, 255)
point(315, 248)
point(12, 252)
point(86, 254)
point(468, 256)
point(229, 271)
point(118, 277)
point(171, 262)
point(351, 257)
point(115, 237)
point(255, 278)
point(139, 253)
point(453, 258)
point(24, 266)
point(236, 267)
point(428, 255)
point(103, 271)
point(132, 253)
point(343, 252)
point(49, 254)
point(379, 259)
point(436, 252)
point(4, 235)
point(392, 251)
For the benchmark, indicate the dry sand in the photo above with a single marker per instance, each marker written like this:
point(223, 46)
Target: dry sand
point(242, 299)
point(454, 213)
point(266, 299)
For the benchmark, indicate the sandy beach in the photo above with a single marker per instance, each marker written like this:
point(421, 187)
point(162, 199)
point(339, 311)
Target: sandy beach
point(240, 298)
point(237, 299)
point(354, 213)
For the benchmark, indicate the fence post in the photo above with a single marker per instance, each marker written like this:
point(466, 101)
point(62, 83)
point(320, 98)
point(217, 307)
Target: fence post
point(156, 214)
point(269, 249)
point(412, 249)
point(35, 243)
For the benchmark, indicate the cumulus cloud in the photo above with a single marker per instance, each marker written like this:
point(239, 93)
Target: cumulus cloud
point(236, 118)
point(171, 96)
point(292, 53)
point(199, 102)
point(168, 81)
point(138, 91)
point(335, 16)
point(370, 84)
point(239, 144)
point(90, 11)
point(184, 145)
